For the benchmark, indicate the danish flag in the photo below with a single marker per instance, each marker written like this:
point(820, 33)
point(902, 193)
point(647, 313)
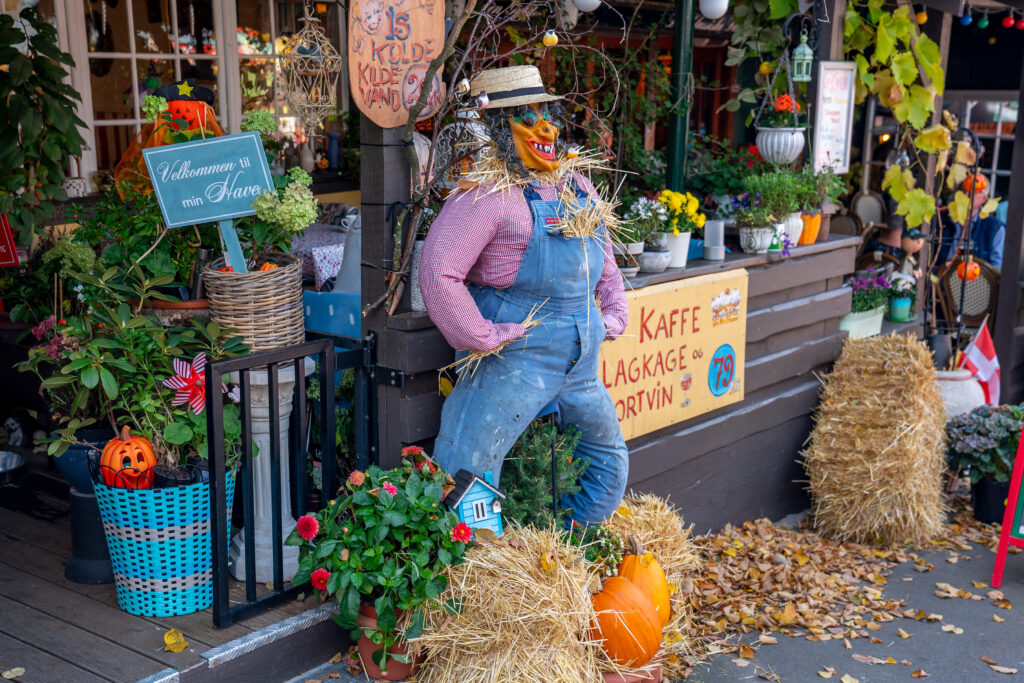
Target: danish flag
point(980, 358)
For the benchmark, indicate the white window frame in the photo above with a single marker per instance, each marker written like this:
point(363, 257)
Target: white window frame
point(480, 510)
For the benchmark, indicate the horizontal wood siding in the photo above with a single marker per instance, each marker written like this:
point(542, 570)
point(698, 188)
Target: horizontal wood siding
point(735, 463)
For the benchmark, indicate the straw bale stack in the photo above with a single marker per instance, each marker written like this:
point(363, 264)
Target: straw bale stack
point(660, 529)
point(525, 615)
point(876, 456)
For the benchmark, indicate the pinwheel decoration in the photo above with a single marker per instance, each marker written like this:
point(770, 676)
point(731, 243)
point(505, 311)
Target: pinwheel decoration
point(189, 383)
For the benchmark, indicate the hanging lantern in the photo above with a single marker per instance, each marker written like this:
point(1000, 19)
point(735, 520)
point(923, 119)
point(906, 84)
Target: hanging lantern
point(310, 73)
point(966, 19)
point(983, 21)
point(586, 5)
point(803, 58)
point(714, 9)
point(1008, 21)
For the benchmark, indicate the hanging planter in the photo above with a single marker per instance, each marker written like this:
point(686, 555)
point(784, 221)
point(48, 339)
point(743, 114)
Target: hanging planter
point(780, 146)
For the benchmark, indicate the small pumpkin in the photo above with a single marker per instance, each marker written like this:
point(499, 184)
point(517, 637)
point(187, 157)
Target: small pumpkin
point(626, 623)
point(268, 266)
point(968, 270)
point(226, 269)
point(127, 461)
point(643, 570)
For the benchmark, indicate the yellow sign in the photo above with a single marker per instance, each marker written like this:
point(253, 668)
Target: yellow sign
point(682, 353)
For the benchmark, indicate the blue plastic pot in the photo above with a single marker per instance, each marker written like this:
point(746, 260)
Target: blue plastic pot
point(74, 462)
point(900, 309)
point(696, 249)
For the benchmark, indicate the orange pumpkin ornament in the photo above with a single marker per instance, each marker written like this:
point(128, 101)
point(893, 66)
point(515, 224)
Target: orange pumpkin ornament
point(968, 270)
point(626, 624)
point(268, 266)
point(127, 461)
point(643, 570)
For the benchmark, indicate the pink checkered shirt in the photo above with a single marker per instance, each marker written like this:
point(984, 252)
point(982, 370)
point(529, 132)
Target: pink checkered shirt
point(481, 238)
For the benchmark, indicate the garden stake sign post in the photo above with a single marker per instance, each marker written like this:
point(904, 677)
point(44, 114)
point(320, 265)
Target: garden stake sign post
point(1012, 532)
point(215, 179)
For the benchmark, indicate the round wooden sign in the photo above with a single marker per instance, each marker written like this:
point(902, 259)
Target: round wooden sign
point(390, 46)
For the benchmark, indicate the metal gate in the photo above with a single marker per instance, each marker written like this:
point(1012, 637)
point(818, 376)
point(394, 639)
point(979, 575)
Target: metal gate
point(333, 354)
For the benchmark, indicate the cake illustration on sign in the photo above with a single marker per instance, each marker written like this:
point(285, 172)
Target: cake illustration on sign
point(725, 307)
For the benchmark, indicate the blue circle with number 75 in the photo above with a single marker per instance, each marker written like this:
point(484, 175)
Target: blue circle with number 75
point(722, 370)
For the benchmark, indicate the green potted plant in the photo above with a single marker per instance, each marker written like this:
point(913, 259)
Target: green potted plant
point(649, 219)
point(716, 171)
point(830, 187)
point(381, 550)
point(902, 296)
point(754, 221)
point(780, 130)
point(983, 444)
point(779, 191)
point(867, 307)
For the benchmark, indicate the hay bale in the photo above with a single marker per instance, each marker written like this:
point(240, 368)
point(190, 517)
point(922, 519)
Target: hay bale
point(660, 529)
point(525, 615)
point(876, 456)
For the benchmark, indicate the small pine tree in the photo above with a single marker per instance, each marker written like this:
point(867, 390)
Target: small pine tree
point(526, 475)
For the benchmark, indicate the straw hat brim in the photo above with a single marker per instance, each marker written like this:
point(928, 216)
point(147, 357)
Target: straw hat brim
point(523, 99)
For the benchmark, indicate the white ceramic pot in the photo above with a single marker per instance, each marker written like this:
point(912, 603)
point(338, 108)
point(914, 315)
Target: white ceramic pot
point(863, 324)
point(714, 9)
point(415, 294)
point(652, 261)
point(756, 240)
point(679, 248)
point(781, 146)
point(961, 392)
point(794, 226)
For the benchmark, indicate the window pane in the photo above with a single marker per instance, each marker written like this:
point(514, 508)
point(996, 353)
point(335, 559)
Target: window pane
point(257, 77)
point(195, 26)
point(254, 27)
point(152, 25)
point(106, 25)
point(111, 81)
point(153, 73)
point(205, 73)
point(111, 142)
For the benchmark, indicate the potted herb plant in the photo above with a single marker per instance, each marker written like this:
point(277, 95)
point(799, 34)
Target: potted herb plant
point(381, 550)
point(780, 191)
point(780, 134)
point(753, 219)
point(867, 306)
point(685, 218)
point(983, 444)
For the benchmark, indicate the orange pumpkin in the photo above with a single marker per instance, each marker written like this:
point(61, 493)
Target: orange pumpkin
point(268, 266)
point(626, 624)
point(194, 112)
point(127, 461)
point(643, 570)
point(968, 270)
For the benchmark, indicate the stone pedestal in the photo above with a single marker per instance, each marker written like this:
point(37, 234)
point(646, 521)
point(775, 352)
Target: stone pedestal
point(262, 490)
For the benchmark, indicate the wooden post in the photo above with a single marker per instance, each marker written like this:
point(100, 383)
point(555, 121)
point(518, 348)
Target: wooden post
point(1008, 330)
point(384, 180)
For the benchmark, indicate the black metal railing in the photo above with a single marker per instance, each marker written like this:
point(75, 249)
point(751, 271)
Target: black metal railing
point(333, 354)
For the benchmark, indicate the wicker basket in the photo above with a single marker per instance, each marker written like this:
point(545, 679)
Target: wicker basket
point(264, 306)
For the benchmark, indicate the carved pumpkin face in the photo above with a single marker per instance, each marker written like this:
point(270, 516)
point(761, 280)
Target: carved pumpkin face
point(968, 270)
point(535, 139)
point(127, 462)
point(196, 113)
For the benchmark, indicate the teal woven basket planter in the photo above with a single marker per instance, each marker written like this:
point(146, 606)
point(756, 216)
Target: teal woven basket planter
point(160, 543)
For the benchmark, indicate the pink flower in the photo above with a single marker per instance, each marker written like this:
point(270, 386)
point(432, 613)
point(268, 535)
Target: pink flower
point(390, 488)
point(319, 578)
point(461, 533)
point(308, 527)
point(356, 478)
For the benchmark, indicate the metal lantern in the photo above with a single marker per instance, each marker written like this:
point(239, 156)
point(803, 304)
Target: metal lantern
point(310, 73)
point(803, 58)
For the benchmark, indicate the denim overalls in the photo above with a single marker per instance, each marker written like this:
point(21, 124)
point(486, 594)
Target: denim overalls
point(486, 413)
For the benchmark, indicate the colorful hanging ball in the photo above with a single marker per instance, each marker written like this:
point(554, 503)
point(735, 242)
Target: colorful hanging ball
point(550, 38)
point(1020, 24)
point(766, 68)
point(966, 20)
point(983, 22)
point(921, 17)
point(1008, 21)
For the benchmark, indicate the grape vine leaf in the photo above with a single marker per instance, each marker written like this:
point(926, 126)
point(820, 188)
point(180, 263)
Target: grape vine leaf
point(930, 59)
point(904, 68)
point(991, 205)
point(915, 107)
point(956, 175)
point(959, 206)
point(933, 139)
point(898, 182)
point(965, 154)
point(917, 206)
point(866, 76)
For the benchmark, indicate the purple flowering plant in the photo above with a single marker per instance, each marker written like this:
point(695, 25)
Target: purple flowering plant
point(750, 212)
point(983, 442)
point(869, 293)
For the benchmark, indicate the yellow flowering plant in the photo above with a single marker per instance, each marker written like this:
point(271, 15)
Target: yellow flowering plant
point(684, 211)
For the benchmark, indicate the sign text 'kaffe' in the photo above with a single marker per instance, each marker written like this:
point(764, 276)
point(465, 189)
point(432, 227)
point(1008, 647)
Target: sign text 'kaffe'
point(215, 179)
point(682, 353)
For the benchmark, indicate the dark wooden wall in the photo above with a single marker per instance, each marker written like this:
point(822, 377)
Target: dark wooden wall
point(730, 465)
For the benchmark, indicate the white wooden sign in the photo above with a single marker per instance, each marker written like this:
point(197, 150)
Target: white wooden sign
point(833, 118)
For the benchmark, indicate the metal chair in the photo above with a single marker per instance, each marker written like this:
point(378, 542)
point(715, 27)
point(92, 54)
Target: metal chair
point(846, 224)
point(869, 207)
point(980, 295)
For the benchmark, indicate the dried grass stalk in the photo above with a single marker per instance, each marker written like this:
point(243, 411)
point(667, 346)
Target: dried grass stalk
point(471, 362)
point(660, 529)
point(525, 615)
point(875, 462)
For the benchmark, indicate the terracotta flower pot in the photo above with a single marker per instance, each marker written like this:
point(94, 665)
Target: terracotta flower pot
point(396, 671)
point(178, 313)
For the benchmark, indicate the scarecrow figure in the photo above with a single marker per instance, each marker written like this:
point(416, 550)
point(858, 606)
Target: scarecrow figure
point(525, 237)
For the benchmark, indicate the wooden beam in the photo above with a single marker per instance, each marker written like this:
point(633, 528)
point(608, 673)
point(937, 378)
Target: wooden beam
point(954, 7)
point(1013, 266)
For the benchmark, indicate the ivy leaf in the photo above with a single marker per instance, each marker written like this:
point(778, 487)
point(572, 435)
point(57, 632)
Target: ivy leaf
point(904, 68)
point(934, 138)
point(959, 207)
point(917, 206)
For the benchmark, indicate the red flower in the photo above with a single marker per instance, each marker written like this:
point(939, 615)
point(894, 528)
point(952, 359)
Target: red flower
point(308, 527)
point(390, 488)
point(319, 579)
point(356, 478)
point(412, 450)
point(426, 465)
point(786, 103)
point(461, 533)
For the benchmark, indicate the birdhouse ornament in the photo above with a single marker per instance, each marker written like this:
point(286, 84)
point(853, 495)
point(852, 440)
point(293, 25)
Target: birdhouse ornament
point(476, 501)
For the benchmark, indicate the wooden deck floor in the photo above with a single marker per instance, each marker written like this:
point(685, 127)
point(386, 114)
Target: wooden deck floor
point(62, 631)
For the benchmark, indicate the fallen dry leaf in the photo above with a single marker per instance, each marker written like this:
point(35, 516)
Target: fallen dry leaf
point(1002, 669)
point(998, 619)
point(336, 659)
point(995, 595)
point(16, 672)
point(767, 639)
point(868, 659)
point(903, 634)
point(987, 660)
point(826, 673)
point(174, 641)
point(1004, 604)
point(950, 628)
point(979, 584)
point(741, 662)
point(746, 652)
point(920, 673)
point(905, 662)
point(847, 678)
